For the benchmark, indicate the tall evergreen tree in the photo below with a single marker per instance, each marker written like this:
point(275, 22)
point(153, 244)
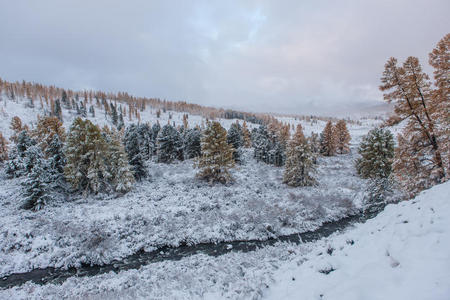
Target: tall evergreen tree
point(217, 154)
point(122, 175)
point(169, 145)
point(19, 164)
point(192, 143)
point(377, 153)
point(261, 144)
point(246, 136)
point(235, 139)
point(36, 192)
point(132, 142)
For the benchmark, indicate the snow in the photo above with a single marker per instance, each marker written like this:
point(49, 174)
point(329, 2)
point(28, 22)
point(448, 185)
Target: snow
point(400, 254)
point(404, 253)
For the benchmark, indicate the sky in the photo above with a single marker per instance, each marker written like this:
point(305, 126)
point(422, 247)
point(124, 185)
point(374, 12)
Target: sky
point(287, 56)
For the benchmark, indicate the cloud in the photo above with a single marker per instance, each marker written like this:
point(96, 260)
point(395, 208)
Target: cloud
point(284, 56)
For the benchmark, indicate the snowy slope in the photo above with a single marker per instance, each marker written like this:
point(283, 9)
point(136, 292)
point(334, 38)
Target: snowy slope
point(404, 253)
point(415, 233)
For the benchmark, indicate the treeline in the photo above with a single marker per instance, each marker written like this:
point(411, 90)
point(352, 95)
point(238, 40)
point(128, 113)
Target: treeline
point(51, 98)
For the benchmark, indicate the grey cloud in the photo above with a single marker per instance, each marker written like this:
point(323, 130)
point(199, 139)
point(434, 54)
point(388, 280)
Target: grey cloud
point(284, 56)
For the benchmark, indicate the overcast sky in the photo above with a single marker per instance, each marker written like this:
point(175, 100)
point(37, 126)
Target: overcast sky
point(284, 56)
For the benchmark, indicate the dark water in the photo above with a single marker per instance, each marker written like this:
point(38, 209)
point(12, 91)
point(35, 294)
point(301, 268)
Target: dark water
point(135, 261)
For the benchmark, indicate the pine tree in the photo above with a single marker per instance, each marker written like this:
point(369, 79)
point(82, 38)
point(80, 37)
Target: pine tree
point(114, 115)
point(328, 140)
point(299, 162)
point(192, 143)
point(377, 153)
point(92, 111)
point(169, 145)
point(155, 131)
point(342, 137)
point(217, 155)
point(86, 168)
point(36, 185)
point(3, 148)
point(235, 139)
point(123, 178)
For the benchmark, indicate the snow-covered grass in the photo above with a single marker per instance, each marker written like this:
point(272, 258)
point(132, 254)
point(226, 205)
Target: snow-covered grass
point(172, 207)
point(403, 253)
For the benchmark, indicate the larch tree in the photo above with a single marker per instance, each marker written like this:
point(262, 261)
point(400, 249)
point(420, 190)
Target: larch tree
point(246, 136)
point(217, 155)
point(422, 144)
point(3, 148)
point(17, 126)
point(87, 166)
point(46, 129)
point(328, 140)
point(299, 161)
point(342, 137)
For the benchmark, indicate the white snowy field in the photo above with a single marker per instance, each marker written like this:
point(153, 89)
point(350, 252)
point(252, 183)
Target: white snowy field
point(403, 253)
point(171, 207)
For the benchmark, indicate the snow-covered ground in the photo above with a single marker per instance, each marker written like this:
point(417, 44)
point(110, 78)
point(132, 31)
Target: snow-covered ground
point(403, 253)
point(172, 207)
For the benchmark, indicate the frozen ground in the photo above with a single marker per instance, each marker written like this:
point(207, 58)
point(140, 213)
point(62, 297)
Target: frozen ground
point(172, 208)
point(400, 254)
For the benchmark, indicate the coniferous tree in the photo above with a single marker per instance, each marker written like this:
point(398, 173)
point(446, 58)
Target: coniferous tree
point(46, 129)
point(122, 175)
point(19, 164)
point(217, 154)
point(87, 166)
point(261, 144)
point(423, 143)
point(299, 162)
point(328, 140)
point(114, 115)
point(56, 161)
point(314, 142)
point(192, 143)
point(235, 139)
point(3, 148)
point(342, 137)
point(92, 111)
point(377, 153)
point(169, 145)
point(36, 185)
point(246, 136)
point(132, 142)
point(58, 111)
point(17, 127)
point(155, 131)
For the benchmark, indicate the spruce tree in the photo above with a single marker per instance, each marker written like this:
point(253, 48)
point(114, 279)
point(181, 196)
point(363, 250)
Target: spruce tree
point(192, 143)
point(169, 145)
point(217, 155)
point(235, 139)
point(132, 142)
point(37, 188)
point(261, 144)
point(56, 162)
point(122, 175)
point(342, 137)
point(19, 164)
point(299, 162)
point(377, 153)
point(328, 140)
